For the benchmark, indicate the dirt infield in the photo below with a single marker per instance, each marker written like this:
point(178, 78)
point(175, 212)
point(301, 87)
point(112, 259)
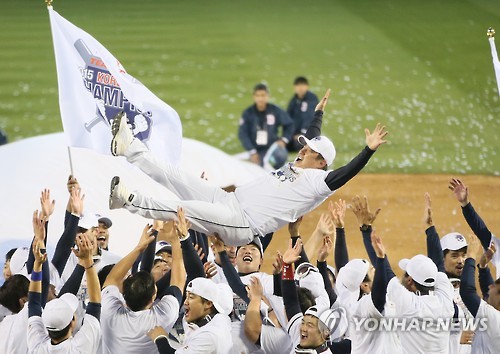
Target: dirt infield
point(401, 221)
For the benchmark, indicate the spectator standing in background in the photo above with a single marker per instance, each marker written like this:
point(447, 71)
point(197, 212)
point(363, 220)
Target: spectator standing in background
point(3, 137)
point(301, 110)
point(259, 130)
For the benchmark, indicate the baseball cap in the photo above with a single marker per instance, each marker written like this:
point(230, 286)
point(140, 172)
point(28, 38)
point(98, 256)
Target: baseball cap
point(221, 295)
point(322, 145)
point(18, 261)
point(88, 221)
point(106, 221)
point(59, 313)
point(352, 274)
point(453, 241)
point(163, 246)
point(421, 268)
point(256, 242)
point(330, 319)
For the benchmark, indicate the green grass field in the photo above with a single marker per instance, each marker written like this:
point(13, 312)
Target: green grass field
point(421, 67)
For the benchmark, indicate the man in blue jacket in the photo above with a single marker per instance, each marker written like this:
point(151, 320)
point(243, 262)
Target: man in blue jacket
point(259, 130)
point(301, 110)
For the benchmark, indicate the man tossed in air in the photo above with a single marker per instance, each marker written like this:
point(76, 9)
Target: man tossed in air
point(254, 209)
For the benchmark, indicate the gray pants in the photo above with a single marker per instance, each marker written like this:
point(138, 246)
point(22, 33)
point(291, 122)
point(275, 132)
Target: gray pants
point(210, 209)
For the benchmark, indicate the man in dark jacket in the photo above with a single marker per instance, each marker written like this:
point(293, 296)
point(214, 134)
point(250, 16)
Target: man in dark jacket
point(301, 110)
point(259, 130)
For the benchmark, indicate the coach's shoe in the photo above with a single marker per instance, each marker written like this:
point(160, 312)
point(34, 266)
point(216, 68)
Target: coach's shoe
point(122, 135)
point(119, 196)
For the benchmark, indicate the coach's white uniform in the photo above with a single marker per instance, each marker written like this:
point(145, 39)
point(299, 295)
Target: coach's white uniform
point(489, 341)
point(256, 208)
point(13, 332)
point(124, 330)
point(411, 306)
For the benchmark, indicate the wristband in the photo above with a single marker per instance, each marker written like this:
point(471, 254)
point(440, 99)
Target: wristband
point(89, 266)
point(288, 272)
point(184, 237)
point(36, 276)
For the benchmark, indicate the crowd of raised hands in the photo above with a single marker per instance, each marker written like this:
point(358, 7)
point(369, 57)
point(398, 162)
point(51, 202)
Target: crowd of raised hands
point(186, 292)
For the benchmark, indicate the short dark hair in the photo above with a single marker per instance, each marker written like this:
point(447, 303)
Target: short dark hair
point(138, 290)
point(9, 254)
point(260, 87)
point(14, 288)
point(56, 335)
point(306, 298)
point(300, 80)
point(423, 290)
point(103, 273)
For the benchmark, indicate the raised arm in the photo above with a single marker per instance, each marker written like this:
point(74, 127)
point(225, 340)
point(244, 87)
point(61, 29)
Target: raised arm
point(323, 253)
point(253, 319)
point(67, 239)
point(468, 287)
point(366, 218)
point(485, 278)
point(434, 250)
point(117, 274)
point(35, 301)
point(293, 229)
point(381, 278)
point(290, 297)
point(475, 222)
point(324, 227)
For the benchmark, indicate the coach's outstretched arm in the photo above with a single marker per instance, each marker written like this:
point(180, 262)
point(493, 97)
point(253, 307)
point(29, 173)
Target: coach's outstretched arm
point(342, 175)
point(314, 129)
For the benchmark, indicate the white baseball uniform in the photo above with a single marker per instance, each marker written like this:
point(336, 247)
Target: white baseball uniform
point(256, 208)
point(14, 332)
point(488, 342)
point(432, 307)
point(124, 330)
point(85, 341)
point(455, 335)
point(212, 338)
point(373, 342)
point(4, 311)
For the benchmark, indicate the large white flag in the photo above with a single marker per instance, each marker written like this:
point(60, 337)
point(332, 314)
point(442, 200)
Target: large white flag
point(496, 63)
point(94, 87)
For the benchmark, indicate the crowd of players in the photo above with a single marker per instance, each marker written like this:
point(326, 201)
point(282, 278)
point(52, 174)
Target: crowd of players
point(181, 291)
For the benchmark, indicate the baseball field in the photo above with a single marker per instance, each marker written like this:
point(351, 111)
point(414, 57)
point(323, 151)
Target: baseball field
point(421, 67)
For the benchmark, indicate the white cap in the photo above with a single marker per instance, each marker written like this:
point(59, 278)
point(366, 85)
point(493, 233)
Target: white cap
point(163, 246)
point(453, 241)
point(88, 220)
point(322, 145)
point(335, 320)
point(352, 274)
point(59, 313)
point(221, 295)
point(18, 261)
point(421, 268)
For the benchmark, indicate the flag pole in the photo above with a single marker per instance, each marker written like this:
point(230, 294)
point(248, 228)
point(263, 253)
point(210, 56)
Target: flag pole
point(70, 161)
point(496, 63)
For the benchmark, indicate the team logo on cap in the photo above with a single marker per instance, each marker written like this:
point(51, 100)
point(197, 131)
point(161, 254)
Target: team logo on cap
point(459, 238)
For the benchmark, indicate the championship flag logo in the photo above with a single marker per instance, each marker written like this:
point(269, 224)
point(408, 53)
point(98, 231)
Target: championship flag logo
point(94, 87)
point(496, 62)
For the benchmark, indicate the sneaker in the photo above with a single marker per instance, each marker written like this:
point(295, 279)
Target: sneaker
point(119, 196)
point(122, 135)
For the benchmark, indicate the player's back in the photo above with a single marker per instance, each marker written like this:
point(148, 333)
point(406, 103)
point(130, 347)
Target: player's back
point(281, 197)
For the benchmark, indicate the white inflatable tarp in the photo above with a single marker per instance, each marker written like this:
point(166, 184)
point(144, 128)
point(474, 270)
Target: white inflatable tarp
point(40, 162)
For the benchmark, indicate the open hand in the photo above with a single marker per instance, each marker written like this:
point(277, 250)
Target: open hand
point(428, 210)
point(460, 190)
point(362, 211)
point(375, 139)
point(487, 256)
point(47, 205)
point(182, 225)
point(292, 254)
point(325, 249)
point(217, 243)
point(337, 212)
point(278, 263)
point(255, 289)
point(325, 225)
point(39, 225)
point(76, 201)
point(378, 245)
